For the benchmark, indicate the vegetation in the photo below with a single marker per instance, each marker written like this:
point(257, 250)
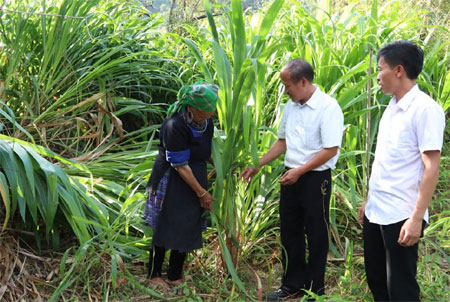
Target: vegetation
point(83, 89)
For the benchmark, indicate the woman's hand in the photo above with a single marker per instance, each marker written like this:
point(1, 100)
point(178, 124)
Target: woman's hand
point(206, 200)
point(203, 195)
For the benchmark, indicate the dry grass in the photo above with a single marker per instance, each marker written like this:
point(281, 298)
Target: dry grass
point(25, 276)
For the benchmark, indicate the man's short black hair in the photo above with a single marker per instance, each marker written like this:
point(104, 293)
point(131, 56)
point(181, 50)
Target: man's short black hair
point(299, 68)
point(404, 53)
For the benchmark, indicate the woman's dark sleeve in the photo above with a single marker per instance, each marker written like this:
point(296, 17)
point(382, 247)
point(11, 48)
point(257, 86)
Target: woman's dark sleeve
point(175, 139)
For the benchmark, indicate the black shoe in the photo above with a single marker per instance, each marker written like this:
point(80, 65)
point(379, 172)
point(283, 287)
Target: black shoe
point(281, 294)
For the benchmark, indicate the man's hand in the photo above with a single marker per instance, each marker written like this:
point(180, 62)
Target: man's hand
point(411, 229)
point(410, 232)
point(290, 176)
point(248, 174)
point(361, 213)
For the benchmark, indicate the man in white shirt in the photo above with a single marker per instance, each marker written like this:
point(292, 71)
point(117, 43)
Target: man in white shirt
point(310, 134)
point(403, 178)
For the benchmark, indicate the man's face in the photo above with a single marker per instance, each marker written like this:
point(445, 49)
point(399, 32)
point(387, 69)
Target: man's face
point(294, 90)
point(387, 77)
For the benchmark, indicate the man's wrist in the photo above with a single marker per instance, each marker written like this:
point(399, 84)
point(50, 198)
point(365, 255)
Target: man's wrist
point(417, 215)
point(416, 218)
point(260, 165)
point(299, 171)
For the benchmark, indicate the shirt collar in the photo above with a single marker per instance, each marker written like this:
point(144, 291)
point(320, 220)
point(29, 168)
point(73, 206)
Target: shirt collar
point(407, 99)
point(312, 102)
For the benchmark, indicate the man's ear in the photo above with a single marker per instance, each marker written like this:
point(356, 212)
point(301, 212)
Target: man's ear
point(399, 71)
point(304, 81)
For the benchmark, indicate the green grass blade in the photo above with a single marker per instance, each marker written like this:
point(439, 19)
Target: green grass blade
point(4, 190)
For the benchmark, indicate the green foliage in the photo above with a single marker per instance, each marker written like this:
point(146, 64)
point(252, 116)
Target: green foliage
point(40, 190)
point(68, 72)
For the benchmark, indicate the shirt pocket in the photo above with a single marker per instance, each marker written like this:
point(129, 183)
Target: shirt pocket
point(313, 138)
point(300, 135)
point(400, 143)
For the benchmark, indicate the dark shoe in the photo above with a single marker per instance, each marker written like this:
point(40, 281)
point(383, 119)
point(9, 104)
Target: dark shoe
point(283, 293)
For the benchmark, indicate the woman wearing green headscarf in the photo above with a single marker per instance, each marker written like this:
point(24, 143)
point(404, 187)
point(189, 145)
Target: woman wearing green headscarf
point(177, 187)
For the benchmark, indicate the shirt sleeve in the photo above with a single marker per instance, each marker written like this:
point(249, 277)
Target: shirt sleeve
point(430, 128)
point(332, 126)
point(282, 129)
point(175, 139)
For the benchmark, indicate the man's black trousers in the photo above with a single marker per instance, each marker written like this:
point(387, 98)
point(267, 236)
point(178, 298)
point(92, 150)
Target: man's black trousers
point(390, 268)
point(304, 212)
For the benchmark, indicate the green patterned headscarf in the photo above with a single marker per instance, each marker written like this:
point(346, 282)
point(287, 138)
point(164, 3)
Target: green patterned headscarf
point(200, 96)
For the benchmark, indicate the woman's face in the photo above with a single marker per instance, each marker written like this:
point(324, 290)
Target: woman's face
point(200, 117)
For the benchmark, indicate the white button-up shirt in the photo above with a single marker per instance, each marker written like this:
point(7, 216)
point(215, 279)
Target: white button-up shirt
point(407, 128)
point(311, 127)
